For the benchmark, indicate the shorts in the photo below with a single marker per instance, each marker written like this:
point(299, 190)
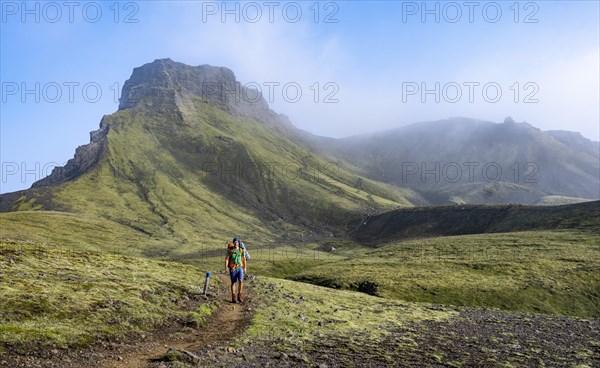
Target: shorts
point(237, 274)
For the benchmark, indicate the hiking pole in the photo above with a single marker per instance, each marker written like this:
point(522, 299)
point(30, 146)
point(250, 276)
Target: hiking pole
point(206, 282)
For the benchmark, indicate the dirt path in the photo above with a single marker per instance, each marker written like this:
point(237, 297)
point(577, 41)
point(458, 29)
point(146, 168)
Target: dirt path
point(223, 325)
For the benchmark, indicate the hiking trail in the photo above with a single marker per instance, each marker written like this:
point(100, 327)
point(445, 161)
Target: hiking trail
point(226, 322)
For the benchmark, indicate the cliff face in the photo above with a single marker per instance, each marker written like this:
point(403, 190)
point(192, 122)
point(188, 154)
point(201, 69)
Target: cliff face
point(175, 81)
point(85, 157)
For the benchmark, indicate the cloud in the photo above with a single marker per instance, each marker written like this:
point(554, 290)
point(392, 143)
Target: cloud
point(345, 90)
point(297, 67)
point(570, 93)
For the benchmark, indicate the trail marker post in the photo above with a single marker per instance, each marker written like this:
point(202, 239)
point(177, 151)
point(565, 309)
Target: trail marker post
point(206, 280)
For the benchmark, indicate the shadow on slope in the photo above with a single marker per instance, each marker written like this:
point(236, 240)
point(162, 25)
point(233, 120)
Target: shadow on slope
point(426, 222)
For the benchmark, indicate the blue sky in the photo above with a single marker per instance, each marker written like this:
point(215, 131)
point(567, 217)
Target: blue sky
point(359, 66)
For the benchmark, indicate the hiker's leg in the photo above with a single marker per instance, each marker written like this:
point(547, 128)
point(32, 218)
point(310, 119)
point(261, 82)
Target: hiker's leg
point(240, 286)
point(242, 276)
point(233, 277)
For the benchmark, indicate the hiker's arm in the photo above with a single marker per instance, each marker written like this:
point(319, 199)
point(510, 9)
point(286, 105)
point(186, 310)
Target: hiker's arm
point(244, 263)
point(227, 263)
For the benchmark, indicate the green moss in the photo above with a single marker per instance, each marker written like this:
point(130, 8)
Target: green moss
point(55, 295)
point(542, 271)
point(198, 316)
point(297, 314)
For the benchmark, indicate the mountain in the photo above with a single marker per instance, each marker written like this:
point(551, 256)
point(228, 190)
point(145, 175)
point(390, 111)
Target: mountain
point(461, 160)
point(189, 159)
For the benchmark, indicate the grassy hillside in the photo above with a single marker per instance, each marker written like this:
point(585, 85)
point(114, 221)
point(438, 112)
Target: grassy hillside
point(61, 297)
point(189, 175)
point(57, 295)
point(75, 231)
point(553, 272)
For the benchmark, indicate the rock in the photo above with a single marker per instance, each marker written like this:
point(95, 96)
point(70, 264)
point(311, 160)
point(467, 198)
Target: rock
point(299, 357)
point(281, 355)
point(323, 365)
point(174, 354)
point(119, 358)
point(168, 81)
point(230, 350)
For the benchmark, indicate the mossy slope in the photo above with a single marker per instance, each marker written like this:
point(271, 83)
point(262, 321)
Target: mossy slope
point(58, 296)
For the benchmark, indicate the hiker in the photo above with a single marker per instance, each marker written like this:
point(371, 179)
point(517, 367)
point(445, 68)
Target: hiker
point(235, 263)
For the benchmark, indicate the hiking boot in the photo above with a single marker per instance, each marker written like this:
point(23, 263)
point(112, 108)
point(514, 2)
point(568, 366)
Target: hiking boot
point(240, 297)
point(233, 299)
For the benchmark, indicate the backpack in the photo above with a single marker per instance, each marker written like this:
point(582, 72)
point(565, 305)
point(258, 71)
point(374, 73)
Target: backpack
point(235, 256)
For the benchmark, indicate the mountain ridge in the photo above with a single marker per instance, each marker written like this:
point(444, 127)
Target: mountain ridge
point(465, 160)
